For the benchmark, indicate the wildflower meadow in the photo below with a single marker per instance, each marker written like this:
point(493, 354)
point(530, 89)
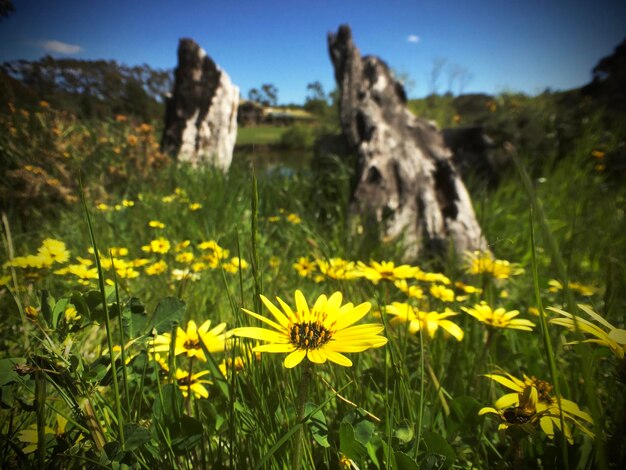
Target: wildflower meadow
point(160, 316)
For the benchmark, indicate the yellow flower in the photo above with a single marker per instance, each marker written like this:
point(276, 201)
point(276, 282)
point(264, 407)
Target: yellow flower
point(188, 382)
point(587, 291)
point(157, 268)
point(132, 140)
point(442, 293)
point(499, 318)
point(431, 321)
point(118, 251)
point(611, 337)
point(412, 291)
point(214, 249)
point(376, 271)
point(71, 314)
point(102, 207)
point(546, 405)
point(483, 262)
point(432, 277)
point(320, 333)
point(337, 268)
point(195, 206)
point(189, 342)
point(159, 245)
point(128, 203)
point(31, 312)
point(294, 219)
point(304, 267)
point(156, 224)
point(54, 250)
point(274, 262)
point(184, 257)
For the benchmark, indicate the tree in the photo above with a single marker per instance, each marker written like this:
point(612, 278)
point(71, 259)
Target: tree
point(269, 94)
point(254, 95)
point(316, 91)
point(6, 8)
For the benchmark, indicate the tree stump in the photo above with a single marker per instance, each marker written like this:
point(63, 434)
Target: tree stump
point(201, 113)
point(405, 177)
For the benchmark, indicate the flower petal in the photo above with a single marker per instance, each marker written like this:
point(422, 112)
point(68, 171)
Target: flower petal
point(337, 358)
point(265, 320)
point(280, 317)
point(507, 382)
point(275, 348)
point(295, 358)
point(261, 334)
point(506, 401)
point(315, 355)
point(352, 316)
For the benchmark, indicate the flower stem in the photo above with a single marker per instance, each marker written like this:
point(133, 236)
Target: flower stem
point(301, 399)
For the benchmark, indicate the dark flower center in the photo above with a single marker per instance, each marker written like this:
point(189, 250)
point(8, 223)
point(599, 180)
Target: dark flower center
point(312, 335)
point(543, 390)
point(185, 381)
point(191, 344)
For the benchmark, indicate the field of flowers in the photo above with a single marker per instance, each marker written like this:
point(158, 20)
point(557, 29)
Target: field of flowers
point(157, 316)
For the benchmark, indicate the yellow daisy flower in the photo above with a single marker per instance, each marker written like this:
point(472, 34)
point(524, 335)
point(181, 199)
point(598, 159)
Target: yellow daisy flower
point(499, 318)
point(159, 245)
point(338, 268)
point(304, 267)
point(431, 321)
point(189, 341)
point(376, 271)
point(611, 337)
point(188, 382)
point(546, 405)
point(442, 293)
point(54, 251)
point(320, 333)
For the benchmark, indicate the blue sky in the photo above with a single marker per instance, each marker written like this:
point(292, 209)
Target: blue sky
point(506, 45)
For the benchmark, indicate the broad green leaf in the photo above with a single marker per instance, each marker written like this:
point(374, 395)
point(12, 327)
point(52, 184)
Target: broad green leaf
point(58, 310)
point(7, 369)
point(404, 462)
point(348, 445)
point(439, 446)
point(135, 436)
point(317, 425)
point(167, 314)
point(134, 319)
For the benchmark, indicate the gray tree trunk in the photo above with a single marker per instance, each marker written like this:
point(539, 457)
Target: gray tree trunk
point(405, 176)
point(201, 113)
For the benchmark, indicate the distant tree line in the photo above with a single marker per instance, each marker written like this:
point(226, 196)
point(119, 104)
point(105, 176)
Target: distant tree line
point(89, 88)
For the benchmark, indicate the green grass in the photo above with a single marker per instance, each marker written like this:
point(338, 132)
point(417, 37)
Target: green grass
point(260, 135)
point(410, 404)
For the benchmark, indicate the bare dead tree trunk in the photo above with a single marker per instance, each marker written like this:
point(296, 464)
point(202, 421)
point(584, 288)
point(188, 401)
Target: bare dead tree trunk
point(405, 176)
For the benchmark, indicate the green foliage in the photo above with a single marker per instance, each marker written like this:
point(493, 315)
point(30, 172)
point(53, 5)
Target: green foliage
point(412, 404)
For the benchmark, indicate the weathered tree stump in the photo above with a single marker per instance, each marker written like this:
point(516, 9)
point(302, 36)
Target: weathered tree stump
point(201, 113)
point(405, 176)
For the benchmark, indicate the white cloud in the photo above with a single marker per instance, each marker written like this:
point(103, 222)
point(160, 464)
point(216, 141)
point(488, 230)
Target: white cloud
point(414, 38)
point(60, 47)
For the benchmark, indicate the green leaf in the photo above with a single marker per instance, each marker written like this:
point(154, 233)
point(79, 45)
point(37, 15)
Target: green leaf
point(168, 410)
point(58, 310)
point(317, 425)
point(135, 436)
point(186, 433)
point(167, 314)
point(134, 319)
point(7, 369)
point(404, 434)
point(437, 445)
point(348, 445)
point(404, 462)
